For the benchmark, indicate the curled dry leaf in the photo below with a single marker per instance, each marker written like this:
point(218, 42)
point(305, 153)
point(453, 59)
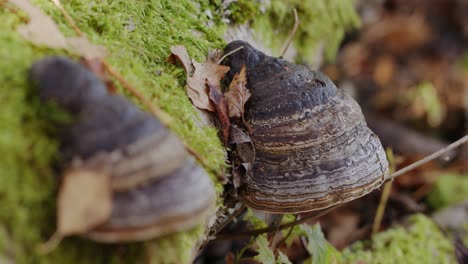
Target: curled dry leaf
point(218, 101)
point(197, 89)
point(43, 31)
point(82, 47)
point(84, 201)
point(237, 94)
point(179, 53)
point(243, 164)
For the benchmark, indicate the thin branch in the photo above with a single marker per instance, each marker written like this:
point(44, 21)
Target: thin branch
point(384, 196)
point(51, 244)
point(276, 223)
point(230, 218)
point(434, 155)
point(69, 19)
point(291, 35)
point(229, 54)
point(309, 217)
point(285, 238)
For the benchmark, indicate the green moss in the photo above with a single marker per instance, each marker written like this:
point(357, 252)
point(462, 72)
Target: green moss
point(449, 189)
point(243, 11)
point(27, 127)
point(421, 242)
point(321, 21)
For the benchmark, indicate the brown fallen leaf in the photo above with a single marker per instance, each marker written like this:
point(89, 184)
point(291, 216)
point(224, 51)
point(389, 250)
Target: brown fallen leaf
point(237, 95)
point(82, 47)
point(244, 153)
point(217, 99)
point(84, 201)
point(197, 89)
point(179, 53)
point(43, 31)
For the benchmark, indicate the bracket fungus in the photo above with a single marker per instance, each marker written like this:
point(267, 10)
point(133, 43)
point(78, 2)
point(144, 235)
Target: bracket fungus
point(149, 185)
point(311, 145)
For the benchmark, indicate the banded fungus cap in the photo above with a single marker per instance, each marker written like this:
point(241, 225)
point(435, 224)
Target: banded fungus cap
point(313, 148)
point(156, 186)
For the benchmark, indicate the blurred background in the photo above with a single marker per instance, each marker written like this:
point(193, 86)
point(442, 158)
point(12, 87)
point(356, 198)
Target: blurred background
point(406, 62)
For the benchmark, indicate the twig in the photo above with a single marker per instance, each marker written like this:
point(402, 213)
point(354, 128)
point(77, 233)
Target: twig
point(291, 35)
point(69, 19)
point(256, 232)
point(229, 219)
point(283, 240)
point(50, 244)
point(384, 196)
point(425, 160)
point(276, 223)
point(381, 209)
point(229, 54)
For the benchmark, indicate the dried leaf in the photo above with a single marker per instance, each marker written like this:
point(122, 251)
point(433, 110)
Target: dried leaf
point(238, 136)
point(43, 31)
point(239, 173)
point(196, 85)
point(217, 99)
point(82, 47)
point(237, 94)
point(84, 201)
point(179, 53)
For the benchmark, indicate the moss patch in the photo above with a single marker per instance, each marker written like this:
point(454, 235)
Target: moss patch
point(321, 21)
point(449, 189)
point(421, 242)
point(138, 36)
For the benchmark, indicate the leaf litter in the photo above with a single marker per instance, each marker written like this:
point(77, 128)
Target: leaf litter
point(204, 82)
point(43, 31)
point(237, 94)
point(219, 102)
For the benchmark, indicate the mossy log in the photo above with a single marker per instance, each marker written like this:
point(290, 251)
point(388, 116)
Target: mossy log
point(138, 36)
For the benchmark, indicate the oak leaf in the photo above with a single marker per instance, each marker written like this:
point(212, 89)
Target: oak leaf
point(196, 84)
point(237, 94)
point(218, 101)
point(197, 89)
